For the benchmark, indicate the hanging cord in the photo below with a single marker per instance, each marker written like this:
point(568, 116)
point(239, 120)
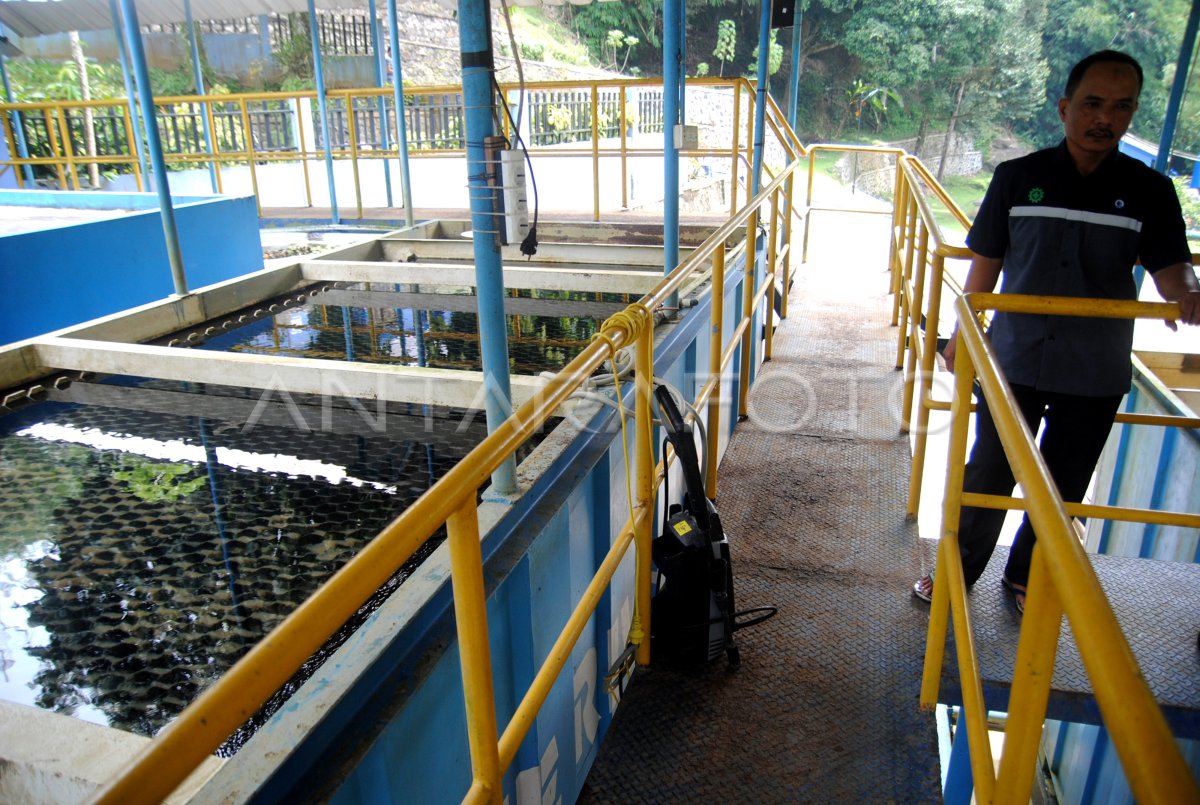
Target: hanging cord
point(512, 43)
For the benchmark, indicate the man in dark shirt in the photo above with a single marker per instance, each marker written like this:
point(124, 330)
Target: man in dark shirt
point(1067, 221)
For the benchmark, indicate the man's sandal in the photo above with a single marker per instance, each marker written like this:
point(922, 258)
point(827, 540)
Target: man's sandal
point(923, 588)
point(1017, 591)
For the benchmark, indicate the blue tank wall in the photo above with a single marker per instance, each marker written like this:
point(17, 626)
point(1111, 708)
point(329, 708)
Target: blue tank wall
point(398, 733)
point(92, 269)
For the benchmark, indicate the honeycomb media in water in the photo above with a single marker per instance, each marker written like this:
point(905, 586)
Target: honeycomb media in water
point(146, 544)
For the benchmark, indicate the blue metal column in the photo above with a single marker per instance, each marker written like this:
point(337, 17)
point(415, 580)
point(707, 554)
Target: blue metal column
point(1177, 89)
point(376, 46)
point(199, 79)
point(960, 784)
point(134, 119)
point(133, 40)
point(18, 127)
point(401, 125)
point(760, 106)
point(672, 12)
point(475, 37)
point(682, 61)
point(794, 90)
point(323, 106)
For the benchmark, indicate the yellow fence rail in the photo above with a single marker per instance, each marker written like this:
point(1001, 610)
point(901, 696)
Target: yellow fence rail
point(213, 716)
point(919, 279)
point(253, 129)
point(1062, 580)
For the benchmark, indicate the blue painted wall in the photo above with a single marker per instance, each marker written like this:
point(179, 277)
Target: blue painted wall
point(92, 269)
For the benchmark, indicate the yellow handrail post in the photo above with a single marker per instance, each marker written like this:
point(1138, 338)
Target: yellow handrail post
point(913, 331)
point(470, 616)
point(769, 316)
point(950, 584)
point(1032, 674)
point(898, 190)
point(595, 152)
point(716, 341)
point(52, 136)
point(748, 292)
point(129, 135)
point(902, 304)
point(925, 376)
point(68, 149)
point(812, 169)
point(947, 553)
point(644, 505)
point(624, 116)
point(736, 148)
point(302, 147)
point(216, 162)
point(10, 138)
point(352, 135)
point(787, 242)
point(248, 136)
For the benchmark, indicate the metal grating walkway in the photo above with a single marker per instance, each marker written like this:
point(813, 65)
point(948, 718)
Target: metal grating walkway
point(824, 706)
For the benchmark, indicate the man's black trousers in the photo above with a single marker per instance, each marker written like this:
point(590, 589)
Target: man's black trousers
point(1076, 429)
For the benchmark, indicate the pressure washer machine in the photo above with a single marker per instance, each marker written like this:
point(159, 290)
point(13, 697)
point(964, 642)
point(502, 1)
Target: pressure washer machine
point(693, 617)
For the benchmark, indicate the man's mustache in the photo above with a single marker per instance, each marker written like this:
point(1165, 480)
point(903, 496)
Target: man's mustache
point(1100, 133)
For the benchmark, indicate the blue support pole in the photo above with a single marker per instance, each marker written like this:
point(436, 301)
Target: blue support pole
point(348, 333)
point(794, 90)
point(323, 106)
point(1177, 88)
point(960, 783)
point(478, 70)
point(127, 76)
point(760, 106)
point(682, 61)
point(672, 12)
point(401, 125)
point(264, 36)
point(18, 127)
point(198, 77)
point(133, 40)
point(376, 47)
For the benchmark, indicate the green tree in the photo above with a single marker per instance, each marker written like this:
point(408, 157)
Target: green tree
point(774, 57)
point(726, 49)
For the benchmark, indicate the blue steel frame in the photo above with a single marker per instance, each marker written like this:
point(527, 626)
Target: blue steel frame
point(376, 46)
point(319, 76)
point(18, 129)
point(198, 77)
point(133, 39)
point(130, 95)
point(672, 89)
point(1175, 101)
point(478, 78)
point(401, 124)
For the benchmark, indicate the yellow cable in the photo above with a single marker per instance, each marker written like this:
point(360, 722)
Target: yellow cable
point(631, 321)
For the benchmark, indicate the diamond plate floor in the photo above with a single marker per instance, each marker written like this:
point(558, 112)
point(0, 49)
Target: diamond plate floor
point(812, 493)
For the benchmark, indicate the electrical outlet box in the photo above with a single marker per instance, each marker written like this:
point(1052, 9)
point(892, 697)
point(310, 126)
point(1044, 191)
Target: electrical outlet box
point(516, 197)
point(687, 137)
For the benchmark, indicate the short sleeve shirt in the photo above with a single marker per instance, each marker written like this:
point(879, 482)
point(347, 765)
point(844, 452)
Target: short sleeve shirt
point(1063, 234)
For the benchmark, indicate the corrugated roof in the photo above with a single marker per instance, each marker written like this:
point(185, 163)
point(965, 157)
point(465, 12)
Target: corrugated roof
point(39, 17)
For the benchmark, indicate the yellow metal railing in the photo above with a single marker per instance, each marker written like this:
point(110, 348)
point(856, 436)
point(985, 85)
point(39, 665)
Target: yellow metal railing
point(1061, 581)
point(216, 713)
point(230, 119)
point(919, 278)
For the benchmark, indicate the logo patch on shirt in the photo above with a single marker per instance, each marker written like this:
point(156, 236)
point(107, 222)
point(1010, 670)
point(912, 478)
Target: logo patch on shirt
point(1036, 195)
